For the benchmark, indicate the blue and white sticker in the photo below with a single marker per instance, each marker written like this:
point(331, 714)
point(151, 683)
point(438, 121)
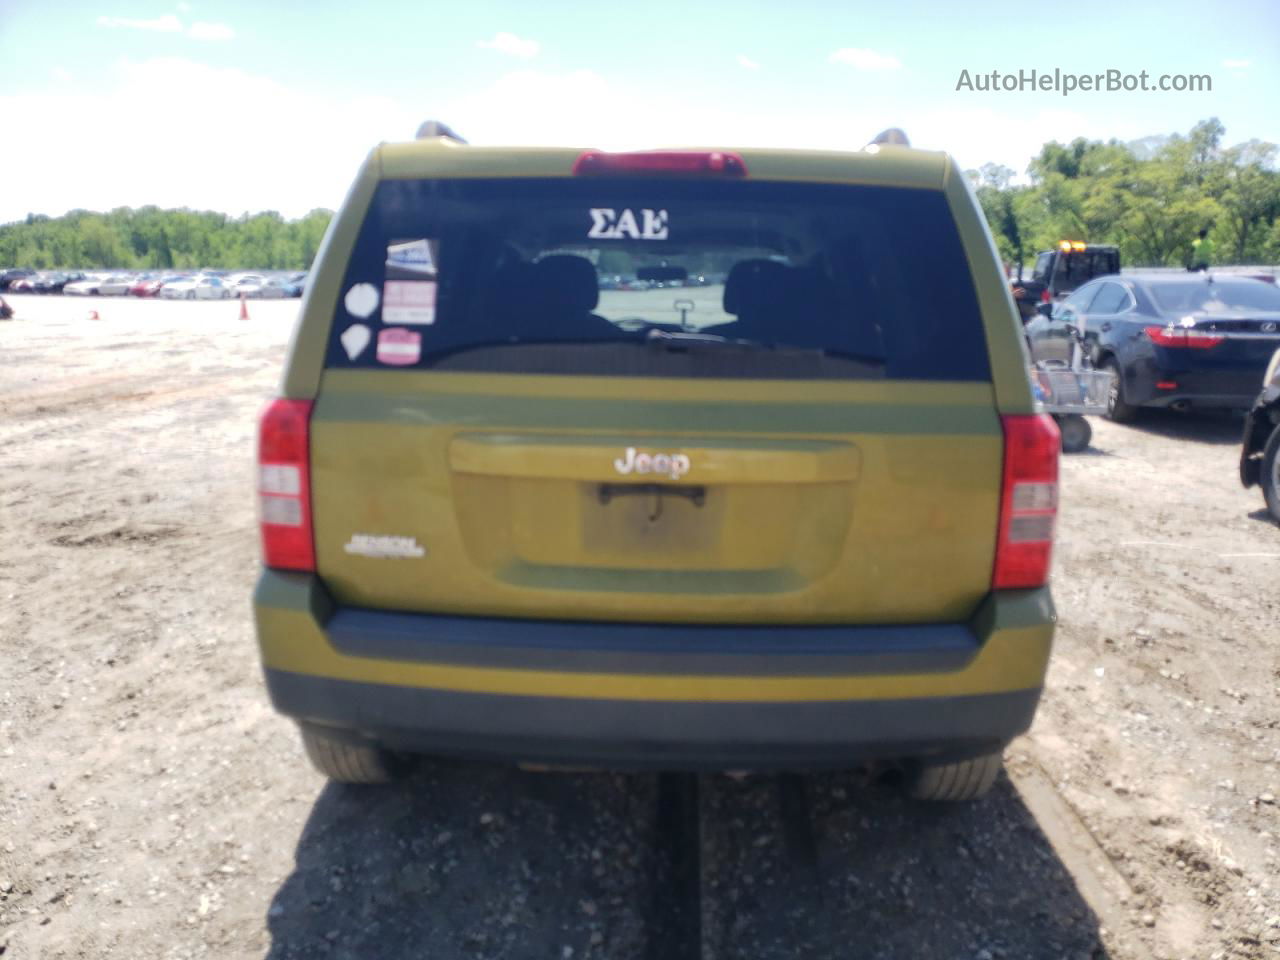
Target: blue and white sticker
point(410, 258)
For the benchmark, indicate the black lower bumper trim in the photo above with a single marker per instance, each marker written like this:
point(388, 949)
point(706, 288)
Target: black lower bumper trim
point(588, 646)
point(654, 734)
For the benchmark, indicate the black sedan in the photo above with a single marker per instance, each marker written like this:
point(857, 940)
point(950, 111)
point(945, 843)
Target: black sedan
point(54, 282)
point(1172, 340)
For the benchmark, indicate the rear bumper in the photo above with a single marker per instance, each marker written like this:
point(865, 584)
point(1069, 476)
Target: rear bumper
point(1232, 388)
point(1199, 401)
point(639, 695)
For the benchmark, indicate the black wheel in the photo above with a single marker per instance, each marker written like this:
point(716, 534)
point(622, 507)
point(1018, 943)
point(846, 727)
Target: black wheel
point(348, 762)
point(1118, 410)
point(191, 294)
point(955, 782)
point(1076, 432)
point(1269, 476)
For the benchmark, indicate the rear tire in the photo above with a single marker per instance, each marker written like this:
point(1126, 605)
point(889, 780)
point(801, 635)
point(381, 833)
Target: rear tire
point(348, 762)
point(956, 782)
point(1118, 409)
point(1076, 432)
point(1269, 476)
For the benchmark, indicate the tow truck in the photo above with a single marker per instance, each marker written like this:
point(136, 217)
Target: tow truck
point(1059, 272)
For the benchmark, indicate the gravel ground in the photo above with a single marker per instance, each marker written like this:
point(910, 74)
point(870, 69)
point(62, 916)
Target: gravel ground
point(152, 805)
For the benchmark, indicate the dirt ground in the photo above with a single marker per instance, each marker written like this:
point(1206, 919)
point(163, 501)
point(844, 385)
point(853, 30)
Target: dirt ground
point(153, 806)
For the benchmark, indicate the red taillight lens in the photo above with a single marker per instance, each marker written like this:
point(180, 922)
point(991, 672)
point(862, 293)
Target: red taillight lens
point(670, 162)
point(1028, 501)
point(1184, 337)
point(284, 485)
point(1046, 296)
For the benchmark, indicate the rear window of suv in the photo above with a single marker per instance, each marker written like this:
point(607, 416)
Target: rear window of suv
point(660, 278)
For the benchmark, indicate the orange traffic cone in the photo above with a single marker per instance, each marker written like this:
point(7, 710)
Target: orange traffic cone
point(244, 308)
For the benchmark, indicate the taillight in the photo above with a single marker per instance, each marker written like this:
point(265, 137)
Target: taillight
point(284, 485)
point(1028, 501)
point(1184, 337)
point(672, 162)
point(1046, 296)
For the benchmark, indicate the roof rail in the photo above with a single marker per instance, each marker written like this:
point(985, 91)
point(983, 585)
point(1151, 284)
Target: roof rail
point(891, 137)
point(434, 128)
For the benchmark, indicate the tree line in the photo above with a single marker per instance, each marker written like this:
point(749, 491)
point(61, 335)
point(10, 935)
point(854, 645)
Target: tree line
point(1151, 198)
point(151, 238)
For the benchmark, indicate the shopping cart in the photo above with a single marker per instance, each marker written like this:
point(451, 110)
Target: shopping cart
point(1070, 395)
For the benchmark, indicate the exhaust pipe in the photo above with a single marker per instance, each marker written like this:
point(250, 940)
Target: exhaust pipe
point(1181, 406)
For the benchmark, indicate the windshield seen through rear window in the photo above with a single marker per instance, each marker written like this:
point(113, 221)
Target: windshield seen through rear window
point(660, 278)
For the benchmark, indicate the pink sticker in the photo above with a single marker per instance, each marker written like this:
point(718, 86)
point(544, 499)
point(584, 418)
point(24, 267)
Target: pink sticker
point(409, 301)
point(399, 347)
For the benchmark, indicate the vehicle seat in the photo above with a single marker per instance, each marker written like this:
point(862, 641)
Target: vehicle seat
point(756, 292)
point(561, 293)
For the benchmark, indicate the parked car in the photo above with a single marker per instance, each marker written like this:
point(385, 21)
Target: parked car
point(195, 288)
point(51, 281)
point(1260, 453)
point(25, 284)
point(86, 287)
point(238, 283)
point(9, 276)
point(148, 285)
point(815, 531)
point(116, 285)
point(1172, 340)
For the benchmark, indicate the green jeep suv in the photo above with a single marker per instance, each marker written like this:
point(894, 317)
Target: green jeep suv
point(698, 459)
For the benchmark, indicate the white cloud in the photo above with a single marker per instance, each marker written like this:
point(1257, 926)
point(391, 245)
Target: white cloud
point(184, 7)
point(1235, 64)
point(210, 31)
point(511, 45)
point(169, 23)
point(747, 63)
point(165, 24)
point(861, 58)
point(294, 151)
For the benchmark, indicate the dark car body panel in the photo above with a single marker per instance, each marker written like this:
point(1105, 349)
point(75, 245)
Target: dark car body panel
point(1222, 376)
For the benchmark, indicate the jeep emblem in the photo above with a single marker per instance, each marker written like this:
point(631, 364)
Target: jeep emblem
point(673, 465)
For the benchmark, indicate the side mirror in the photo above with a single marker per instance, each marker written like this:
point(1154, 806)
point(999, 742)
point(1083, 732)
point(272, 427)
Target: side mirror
point(1044, 309)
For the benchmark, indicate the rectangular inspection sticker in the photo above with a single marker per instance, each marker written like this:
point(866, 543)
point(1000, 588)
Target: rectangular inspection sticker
point(398, 347)
point(409, 301)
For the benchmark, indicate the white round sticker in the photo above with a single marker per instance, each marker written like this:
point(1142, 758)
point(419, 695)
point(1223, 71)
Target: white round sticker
point(361, 300)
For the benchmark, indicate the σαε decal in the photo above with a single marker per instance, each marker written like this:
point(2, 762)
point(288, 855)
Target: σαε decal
point(376, 545)
point(354, 339)
point(361, 300)
point(673, 465)
point(610, 224)
point(398, 347)
point(409, 301)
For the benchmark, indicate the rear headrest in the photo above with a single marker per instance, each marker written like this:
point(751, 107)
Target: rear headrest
point(565, 282)
point(754, 283)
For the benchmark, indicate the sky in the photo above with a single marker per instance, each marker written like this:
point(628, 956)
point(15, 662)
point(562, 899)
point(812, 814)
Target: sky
point(247, 106)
